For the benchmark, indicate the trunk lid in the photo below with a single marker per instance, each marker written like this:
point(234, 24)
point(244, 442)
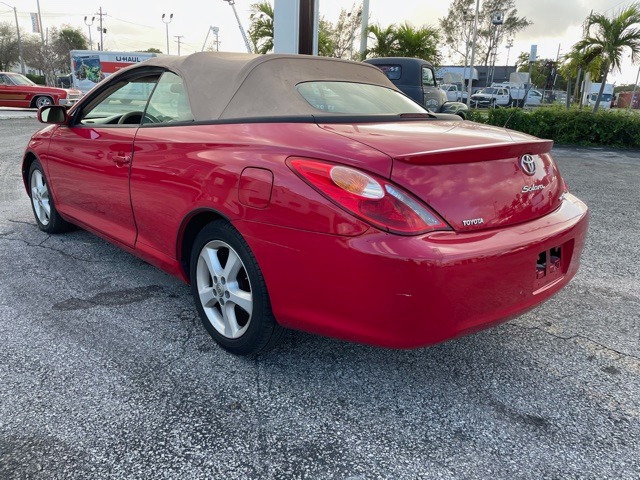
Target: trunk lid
point(474, 176)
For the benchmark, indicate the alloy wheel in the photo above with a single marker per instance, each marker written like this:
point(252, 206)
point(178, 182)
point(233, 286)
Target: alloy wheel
point(40, 197)
point(224, 289)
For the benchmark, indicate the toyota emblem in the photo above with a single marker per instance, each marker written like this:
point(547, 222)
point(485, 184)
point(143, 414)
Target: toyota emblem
point(528, 164)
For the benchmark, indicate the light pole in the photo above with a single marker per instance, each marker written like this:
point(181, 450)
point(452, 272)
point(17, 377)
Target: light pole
point(244, 35)
point(473, 52)
point(89, 25)
point(633, 94)
point(508, 47)
point(364, 30)
point(215, 32)
point(497, 19)
point(15, 13)
point(167, 22)
point(468, 17)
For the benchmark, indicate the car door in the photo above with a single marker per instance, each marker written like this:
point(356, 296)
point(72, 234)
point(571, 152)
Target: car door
point(433, 96)
point(502, 97)
point(534, 97)
point(11, 95)
point(89, 160)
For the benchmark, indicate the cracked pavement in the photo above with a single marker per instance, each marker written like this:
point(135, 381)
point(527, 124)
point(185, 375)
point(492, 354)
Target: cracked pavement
point(106, 371)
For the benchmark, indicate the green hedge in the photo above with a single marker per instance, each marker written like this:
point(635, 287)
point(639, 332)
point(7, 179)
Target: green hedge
point(39, 79)
point(610, 128)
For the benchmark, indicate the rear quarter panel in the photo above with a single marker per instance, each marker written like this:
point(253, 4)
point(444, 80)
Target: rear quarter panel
point(179, 171)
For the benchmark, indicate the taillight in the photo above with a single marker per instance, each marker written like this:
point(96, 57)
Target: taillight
point(370, 198)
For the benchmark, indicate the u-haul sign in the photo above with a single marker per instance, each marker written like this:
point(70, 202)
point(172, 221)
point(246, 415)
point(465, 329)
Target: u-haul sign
point(88, 67)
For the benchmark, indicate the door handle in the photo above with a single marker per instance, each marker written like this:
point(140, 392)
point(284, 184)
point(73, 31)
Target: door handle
point(121, 159)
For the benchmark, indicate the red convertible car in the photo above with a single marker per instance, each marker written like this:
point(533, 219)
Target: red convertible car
point(18, 91)
point(309, 193)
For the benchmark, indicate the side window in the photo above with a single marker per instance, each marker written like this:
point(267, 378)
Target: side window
point(123, 103)
point(169, 102)
point(393, 72)
point(2, 80)
point(428, 79)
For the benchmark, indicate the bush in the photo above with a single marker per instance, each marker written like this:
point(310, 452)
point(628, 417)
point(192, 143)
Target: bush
point(39, 79)
point(609, 128)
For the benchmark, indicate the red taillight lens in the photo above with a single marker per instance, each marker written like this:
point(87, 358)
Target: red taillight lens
point(372, 199)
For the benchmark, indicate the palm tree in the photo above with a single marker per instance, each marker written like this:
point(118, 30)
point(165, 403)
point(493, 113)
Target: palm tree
point(385, 39)
point(419, 42)
point(329, 36)
point(261, 29)
point(573, 66)
point(608, 39)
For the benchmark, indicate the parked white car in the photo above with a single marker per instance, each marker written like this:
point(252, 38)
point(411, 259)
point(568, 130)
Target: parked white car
point(534, 98)
point(496, 96)
point(454, 94)
point(491, 97)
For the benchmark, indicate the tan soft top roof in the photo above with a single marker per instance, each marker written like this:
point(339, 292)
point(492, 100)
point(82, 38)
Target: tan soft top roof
point(223, 85)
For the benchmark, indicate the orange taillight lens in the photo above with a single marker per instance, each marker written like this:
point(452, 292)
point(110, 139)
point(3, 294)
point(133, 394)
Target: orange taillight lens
point(370, 198)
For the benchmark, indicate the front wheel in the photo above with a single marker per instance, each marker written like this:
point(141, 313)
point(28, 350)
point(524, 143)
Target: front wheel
point(47, 217)
point(230, 292)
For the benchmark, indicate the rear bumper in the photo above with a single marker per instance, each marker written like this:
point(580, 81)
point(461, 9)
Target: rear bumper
point(407, 292)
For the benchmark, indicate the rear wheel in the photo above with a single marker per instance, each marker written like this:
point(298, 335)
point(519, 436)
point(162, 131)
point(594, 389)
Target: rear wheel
point(230, 292)
point(42, 101)
point(44, 209)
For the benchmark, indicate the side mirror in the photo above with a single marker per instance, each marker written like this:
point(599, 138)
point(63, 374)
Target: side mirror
point(54, 114)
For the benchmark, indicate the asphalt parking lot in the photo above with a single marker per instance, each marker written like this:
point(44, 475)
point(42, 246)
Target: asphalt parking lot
point(106, 371)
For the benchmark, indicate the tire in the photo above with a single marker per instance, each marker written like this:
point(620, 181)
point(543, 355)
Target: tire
point(230, 292)
point(42, 101)
point(44, 210)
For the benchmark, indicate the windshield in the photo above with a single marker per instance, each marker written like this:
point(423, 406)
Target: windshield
point(606, 97)
point(357, 99)
point(18, 79)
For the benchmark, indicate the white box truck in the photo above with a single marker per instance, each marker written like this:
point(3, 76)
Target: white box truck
point(88, 67)
point(607, 95)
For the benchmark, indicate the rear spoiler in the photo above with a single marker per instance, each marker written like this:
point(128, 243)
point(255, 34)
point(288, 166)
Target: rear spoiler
point(476, 153)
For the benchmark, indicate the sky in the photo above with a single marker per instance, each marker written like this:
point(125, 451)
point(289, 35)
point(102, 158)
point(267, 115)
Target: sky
point(138, 25)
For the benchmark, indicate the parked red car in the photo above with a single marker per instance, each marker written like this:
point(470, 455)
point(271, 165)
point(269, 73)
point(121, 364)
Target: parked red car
point(18, 91)
point(309, 193)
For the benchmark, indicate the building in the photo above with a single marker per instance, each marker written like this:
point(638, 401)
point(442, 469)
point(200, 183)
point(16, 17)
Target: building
point(481, 74)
